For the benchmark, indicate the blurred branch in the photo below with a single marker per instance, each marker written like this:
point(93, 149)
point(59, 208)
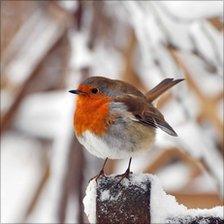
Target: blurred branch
point(213, 43)
point(179, 19)
point(197, 200)
point(208, 64)
point(208, 105)
point(20, 61)
point(39, 190)
point(73, 182)
point(167, 155)
point(129, 74)
point(217, 23)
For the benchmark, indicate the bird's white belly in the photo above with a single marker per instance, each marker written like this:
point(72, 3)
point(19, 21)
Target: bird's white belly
point(96, 146)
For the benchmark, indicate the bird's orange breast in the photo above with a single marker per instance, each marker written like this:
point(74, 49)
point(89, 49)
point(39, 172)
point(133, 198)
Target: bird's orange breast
point(92, 114)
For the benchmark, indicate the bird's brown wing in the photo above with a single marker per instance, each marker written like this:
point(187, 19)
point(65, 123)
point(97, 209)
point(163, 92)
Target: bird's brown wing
point(145, 113)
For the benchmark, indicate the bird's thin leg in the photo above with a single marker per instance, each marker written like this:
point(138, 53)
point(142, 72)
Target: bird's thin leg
point(127, 173)
point(101, 173)
point(102, 170)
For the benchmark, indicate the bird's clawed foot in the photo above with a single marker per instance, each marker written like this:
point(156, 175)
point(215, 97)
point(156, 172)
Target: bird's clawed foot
point(101, 173)
point(126, 174)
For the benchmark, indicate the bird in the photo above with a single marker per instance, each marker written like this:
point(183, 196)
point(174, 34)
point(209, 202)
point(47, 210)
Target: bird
point(115, 120)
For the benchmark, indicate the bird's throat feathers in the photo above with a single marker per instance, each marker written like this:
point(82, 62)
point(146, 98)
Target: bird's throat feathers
point(92, 114)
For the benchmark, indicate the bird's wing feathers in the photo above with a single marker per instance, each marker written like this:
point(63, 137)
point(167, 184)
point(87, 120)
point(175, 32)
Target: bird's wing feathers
point(145, 112)
point(161, 88)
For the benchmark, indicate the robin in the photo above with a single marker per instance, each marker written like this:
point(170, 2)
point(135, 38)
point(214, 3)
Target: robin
point(115, 120)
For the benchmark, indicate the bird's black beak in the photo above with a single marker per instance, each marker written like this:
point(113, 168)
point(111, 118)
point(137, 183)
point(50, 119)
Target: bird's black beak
point(73, 91)
point(76, 91)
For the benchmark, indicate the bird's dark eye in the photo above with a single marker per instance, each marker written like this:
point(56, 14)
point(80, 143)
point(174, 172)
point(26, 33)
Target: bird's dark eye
point(94, 90)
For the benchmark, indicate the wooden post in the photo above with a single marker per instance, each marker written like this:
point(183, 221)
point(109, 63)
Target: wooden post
point(140, 200)
point(120, 203)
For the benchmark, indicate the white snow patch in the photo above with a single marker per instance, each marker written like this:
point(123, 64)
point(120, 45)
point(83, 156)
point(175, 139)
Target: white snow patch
point(214, 212)
point(105, 195)
point(70, 6)
point(89, 201)
point(41, 114)
point(197, 9)
point(162, 204)
point(174, 177)
point(21, 171)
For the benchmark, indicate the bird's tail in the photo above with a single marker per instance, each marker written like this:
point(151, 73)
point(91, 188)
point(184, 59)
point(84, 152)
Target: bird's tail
point(161, 88)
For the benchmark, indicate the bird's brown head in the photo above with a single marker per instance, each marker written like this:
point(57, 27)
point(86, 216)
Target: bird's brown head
point(91, 88)
point(97, 86)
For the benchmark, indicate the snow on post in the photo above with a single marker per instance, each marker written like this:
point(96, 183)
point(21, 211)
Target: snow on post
point(140, 200)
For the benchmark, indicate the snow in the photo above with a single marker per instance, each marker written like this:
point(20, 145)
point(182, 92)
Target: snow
point(174, 177)
point(180, 37)
point(199, 32)
point(89, 201)
point(203, 150)
point(197, 9)
point(136, 179)
point(216, 38)
point(163, 206)
point(215, 212)
point(110, 69)
point(39, 113)
point(21, 172)
point(81, 56)
point(212, 83)
point(19, 69)
point(105, 195)
point(68, 5)
point(201, 215)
